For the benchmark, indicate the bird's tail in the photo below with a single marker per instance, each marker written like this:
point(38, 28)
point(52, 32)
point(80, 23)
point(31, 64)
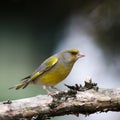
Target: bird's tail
point(22, 85)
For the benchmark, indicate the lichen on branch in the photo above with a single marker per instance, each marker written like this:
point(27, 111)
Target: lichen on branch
point(79, 99)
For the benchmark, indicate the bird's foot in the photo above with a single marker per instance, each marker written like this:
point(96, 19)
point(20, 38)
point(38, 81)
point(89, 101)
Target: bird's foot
point(54, 88)
point(50, 93)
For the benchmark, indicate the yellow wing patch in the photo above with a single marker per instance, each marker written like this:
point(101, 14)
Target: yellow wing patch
point(49, 63)
point(35, 76)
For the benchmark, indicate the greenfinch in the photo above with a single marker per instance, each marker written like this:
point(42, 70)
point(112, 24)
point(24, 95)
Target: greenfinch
point(53, 70)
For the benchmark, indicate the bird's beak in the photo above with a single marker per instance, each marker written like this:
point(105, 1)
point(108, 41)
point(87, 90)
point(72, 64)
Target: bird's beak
point(79, 55)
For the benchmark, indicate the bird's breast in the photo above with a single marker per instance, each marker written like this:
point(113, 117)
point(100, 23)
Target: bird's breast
point(54, 75)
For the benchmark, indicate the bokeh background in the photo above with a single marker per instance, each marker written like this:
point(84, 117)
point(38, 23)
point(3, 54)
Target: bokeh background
point(31, 31)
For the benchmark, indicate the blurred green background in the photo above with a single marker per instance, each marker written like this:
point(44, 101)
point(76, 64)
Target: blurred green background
point(30, 31)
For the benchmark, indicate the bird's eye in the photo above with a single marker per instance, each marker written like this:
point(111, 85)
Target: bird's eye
point(73, 52)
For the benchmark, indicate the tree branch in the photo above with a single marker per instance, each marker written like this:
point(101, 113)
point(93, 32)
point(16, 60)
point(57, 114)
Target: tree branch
point(69, 102)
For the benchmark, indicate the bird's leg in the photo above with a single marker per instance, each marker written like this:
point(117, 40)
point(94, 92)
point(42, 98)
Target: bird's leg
point(46, 89)
point(53, 87)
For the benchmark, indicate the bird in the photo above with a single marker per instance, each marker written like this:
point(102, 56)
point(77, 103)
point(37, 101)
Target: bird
point(52, 71)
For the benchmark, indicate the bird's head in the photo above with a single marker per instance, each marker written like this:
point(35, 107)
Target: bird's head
point(71, 56)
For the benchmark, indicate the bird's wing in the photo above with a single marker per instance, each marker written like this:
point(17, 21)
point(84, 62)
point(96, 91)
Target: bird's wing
point(26, 78)
point(45, 66)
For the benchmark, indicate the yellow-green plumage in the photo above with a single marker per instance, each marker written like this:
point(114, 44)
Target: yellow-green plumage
point(53, 70)
point(54, 76)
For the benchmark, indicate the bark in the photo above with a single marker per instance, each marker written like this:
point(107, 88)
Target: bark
point(63, 103)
